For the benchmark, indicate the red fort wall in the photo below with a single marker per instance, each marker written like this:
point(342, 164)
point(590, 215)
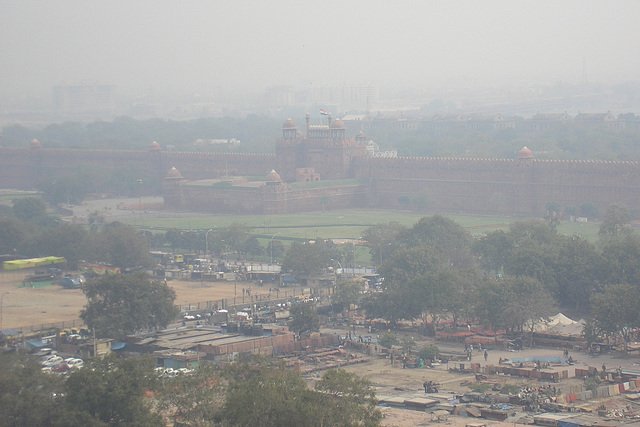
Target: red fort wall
point(483, 186)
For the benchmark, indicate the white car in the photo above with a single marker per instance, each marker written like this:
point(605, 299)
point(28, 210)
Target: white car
point(52, 361)
point(74, 363)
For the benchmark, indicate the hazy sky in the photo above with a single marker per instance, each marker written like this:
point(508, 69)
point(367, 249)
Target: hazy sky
point(195, 46)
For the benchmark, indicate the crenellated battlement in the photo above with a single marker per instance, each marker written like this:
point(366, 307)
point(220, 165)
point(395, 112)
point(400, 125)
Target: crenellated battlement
point(521, 186)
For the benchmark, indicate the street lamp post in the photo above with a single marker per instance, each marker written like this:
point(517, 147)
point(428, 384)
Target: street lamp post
point(271, 245)
point(139, 180)
point(335, 260)
point(206, 242)
point(1, 308)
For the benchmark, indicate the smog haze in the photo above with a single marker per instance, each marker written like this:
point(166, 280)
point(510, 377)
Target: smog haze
point(198, 47)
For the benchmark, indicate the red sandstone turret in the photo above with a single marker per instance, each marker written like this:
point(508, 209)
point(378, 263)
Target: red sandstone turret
point(525, 153)
point(172, 188)
point(289, 129)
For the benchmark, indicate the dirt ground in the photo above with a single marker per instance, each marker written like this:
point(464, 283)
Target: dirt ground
point(25, 306)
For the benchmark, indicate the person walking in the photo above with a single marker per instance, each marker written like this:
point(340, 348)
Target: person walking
point(486, 355)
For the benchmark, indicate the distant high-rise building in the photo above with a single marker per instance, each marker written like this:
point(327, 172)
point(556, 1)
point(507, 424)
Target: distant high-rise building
point(346, 97)
point(280, 96)
point(84, 98)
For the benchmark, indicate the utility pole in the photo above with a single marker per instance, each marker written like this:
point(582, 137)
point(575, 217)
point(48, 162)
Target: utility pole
point(1, 308)
point(271, 245)
point(206, 242)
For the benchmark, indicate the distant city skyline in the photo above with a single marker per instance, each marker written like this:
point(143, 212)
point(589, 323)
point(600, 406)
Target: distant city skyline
point(202, 49)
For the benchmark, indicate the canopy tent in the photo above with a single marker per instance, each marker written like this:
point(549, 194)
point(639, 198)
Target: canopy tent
point(560, 324)
point(19, 264)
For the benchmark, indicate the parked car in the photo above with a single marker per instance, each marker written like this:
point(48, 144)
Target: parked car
point(74, 363)
point(51, 361)
point(46, 351)
point(60, 367)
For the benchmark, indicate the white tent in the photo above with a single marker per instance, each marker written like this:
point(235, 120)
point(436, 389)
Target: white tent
point(561, 325)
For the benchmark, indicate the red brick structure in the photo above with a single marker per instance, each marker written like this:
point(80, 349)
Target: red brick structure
point(323, 169)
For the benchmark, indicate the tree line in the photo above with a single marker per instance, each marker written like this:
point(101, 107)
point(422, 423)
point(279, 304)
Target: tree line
point(28, 231)
point(128, 391)
point(257, 134)
point(507, 280)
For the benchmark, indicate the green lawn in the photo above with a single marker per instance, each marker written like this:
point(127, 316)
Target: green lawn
point(347, 224)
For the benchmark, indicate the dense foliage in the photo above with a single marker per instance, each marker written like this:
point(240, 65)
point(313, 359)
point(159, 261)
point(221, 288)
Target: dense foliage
point(310, 257)
point(508, 280)
point(263, 393)
point(30, 232)
point(257, 133)
point(304, 318)
point(127, 391)
point(126, 303)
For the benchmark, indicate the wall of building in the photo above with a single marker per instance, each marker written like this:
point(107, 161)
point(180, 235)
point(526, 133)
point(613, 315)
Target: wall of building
point(502, 186)
point(483, 186)
point(269, 200)
point(24, 168)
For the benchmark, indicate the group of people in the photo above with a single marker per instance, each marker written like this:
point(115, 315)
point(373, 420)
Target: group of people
point(468, 348)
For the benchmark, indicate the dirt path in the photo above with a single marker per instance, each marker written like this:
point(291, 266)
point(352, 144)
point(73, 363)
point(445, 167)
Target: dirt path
point(25, 306)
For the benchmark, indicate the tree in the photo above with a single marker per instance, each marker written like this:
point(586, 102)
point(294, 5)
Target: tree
point(29, 209)
point(388, 340)
point(388, 305)
point(490, 299)
point(347, 292)
point(407, 343)
point(122, 246)
point(616, 311)
point(125, 303)
point(429, 352)
point(382, 239)
point(304, 318)
point(309, 258)
point(261, 392)
point(553, 206)
point(194, 399)
point(589, 210)
point(615, 223)
point(578, 270)
point(444, 235)
point(352, 399)
point(251, 246)
point(264, 394)
point(12, 235)
point(493, 250)
point(538, 231)
point(537, 260)
point(621, 260)
point(28, 397)
point(70, 241)
point(111, 391)
point(528, 304)
point(233, 237)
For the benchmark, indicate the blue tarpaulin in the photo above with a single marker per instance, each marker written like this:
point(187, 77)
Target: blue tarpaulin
point(118, 346)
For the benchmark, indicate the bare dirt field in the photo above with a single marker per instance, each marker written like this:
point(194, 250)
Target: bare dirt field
point(25, 306)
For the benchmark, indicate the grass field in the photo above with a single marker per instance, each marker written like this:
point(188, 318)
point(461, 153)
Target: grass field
point(347, 224)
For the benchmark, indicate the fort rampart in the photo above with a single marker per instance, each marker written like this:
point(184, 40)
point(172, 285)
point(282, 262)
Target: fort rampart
point(482, 186)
